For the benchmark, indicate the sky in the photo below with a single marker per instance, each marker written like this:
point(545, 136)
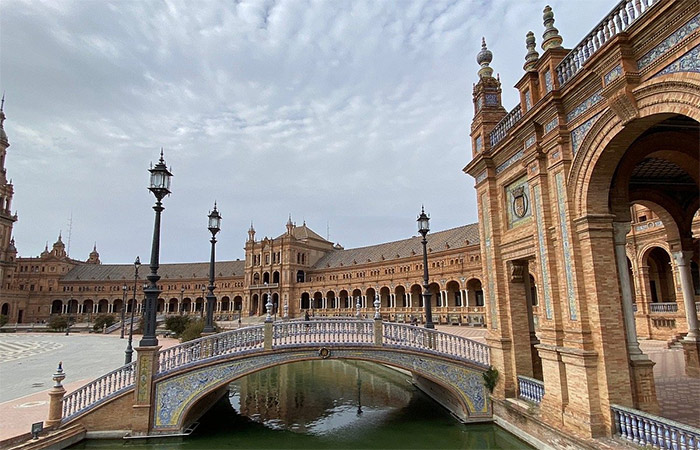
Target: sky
point(348, 115)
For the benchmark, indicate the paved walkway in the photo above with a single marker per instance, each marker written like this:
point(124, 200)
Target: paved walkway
point(27, 362)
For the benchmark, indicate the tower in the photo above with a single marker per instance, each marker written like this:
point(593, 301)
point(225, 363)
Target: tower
point(8, 252)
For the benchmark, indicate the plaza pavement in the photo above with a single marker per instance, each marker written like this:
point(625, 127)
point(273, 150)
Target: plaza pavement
point(28, 361)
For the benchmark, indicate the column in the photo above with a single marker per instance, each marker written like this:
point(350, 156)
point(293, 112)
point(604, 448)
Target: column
point(682, 260)
point(691, 342)
point(642, 317)
point(620, 230)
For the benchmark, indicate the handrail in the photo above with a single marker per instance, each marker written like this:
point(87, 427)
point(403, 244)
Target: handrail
point(618, 20)
point(663, 307)
point(98, 391)
point(413, 337)
point(505, 124)
point(647, 429)
point(348, 331)
point(242, 339)
point(530, 389)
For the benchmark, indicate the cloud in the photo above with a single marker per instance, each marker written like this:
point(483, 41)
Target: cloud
point(351, 114)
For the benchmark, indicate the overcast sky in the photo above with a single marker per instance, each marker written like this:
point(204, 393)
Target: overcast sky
point(346, 114)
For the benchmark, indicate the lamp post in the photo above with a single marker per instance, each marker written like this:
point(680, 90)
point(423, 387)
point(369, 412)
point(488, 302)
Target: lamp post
point(214, 227)
point(121, 334)
point(423, 228)
point(358, 305)
point(182, 305)
point(129, 350)
point(201, 308)
point(160, 187)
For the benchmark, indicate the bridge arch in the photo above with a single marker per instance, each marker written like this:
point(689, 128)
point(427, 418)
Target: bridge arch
point(180, 393)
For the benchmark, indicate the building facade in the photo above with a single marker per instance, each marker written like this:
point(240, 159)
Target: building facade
point(587, 239)
point(593, 176)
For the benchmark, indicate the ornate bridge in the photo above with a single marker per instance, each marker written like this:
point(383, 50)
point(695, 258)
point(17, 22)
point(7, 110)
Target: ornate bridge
point(175, 385)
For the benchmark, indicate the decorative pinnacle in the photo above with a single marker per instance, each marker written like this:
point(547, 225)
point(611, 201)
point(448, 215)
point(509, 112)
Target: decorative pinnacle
point(2, 102)
point(532, 55)
point(550, 38)
point(484, 58)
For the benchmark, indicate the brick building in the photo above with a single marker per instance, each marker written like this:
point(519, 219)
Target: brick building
point(602, 131)
point(587, 237)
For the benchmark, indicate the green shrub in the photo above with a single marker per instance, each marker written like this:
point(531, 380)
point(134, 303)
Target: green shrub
point(3, 319)
point(58, 323)
point(177, 324)
point(194, 330)
point(102, 321)
point(490, 378)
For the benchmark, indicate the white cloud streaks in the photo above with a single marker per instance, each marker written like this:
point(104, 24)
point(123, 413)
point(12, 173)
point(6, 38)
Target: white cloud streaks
point(350, 113)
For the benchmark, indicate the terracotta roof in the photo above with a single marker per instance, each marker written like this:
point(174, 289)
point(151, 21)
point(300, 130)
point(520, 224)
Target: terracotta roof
point(304, 232)
point(439, 241)
point(104, 272)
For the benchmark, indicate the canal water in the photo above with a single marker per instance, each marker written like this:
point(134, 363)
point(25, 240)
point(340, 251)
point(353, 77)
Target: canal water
point(328, 404)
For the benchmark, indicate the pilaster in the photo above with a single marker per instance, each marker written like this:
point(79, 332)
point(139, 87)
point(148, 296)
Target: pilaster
point(146, 368)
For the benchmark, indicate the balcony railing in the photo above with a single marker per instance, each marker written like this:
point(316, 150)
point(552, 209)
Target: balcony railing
point(667, 307)
point(648, 430)
point(264, 286)
point(619, 19)
point(502, 127)
point(530, 389)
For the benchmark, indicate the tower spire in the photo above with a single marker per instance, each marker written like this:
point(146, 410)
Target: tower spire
point(532, 55)
point(484, 58)
point(550, 38)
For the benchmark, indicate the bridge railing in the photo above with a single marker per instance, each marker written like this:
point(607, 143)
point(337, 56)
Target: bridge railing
point(413, 337)
point(347, 331)
point(530, 389)
point(98, 391)
point(242, 339)
point(655, 432)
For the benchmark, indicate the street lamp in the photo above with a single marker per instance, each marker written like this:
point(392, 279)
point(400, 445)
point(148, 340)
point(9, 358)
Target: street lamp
point(214, 227)
point(129, 350)
point(423, 228)
point(358, 305)
point(201, 306)
point(160, 187)
point(121, 334)
point(182, 305)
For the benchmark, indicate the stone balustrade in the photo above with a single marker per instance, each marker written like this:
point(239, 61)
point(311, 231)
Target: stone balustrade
point(652, 431)
point(530, 389)
point(666, 307)
point(505, 124)
point(98, 391)
point(620, 18)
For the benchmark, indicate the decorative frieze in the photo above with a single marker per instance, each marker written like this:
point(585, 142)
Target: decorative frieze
point(481, 177)
point(549, 86)
point(486, 217)
point(509, 162)
point(581, 108)
point(579, 132)
point(530, 141)
point(613, 74)
point(566, 246)
point(542, 250)
point(668, 43)
point(478, 144)
point(528, 100)
point(689, 62)
point(549, 126)
point(491, 100)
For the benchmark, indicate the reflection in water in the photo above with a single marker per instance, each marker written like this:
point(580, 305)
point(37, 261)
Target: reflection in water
point(329, 404)
point(322, 397)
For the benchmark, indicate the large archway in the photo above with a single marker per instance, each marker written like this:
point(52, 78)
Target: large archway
point(652, 159)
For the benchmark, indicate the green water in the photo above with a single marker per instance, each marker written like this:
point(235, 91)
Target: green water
point(328, 404)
